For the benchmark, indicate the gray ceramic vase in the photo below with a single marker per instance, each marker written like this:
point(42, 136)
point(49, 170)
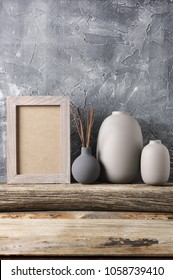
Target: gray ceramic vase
point(119, 148)
point(155, 163)
point(86, 168)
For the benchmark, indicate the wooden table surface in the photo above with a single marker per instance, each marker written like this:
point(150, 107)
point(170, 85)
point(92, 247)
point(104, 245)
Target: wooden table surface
point(93, 220)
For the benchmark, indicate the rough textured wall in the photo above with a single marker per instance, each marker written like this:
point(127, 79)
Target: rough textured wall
point(113, 54)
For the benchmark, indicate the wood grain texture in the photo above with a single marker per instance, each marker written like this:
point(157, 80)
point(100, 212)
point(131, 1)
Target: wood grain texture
point(64, 175)
point(11, 140)
point(76, 197)
point(87, 237)
point(86, 215)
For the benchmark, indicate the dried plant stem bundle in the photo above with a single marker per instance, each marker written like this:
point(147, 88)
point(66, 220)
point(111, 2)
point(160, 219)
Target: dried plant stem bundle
point(80, 125)
point(77, 126)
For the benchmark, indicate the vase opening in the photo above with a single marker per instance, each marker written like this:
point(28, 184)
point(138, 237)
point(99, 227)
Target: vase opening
point(120, 113)
point(155, 142)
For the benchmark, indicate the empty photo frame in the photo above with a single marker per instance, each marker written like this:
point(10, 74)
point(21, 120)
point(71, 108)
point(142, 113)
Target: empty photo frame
point(38, 139)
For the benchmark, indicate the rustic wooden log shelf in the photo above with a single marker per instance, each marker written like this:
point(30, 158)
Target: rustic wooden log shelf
point(86, 220)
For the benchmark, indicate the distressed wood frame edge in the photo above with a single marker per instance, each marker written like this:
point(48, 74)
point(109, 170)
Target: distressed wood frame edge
point(12, 103)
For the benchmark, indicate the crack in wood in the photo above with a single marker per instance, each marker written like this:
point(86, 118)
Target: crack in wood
point(170, 218)
point(127, 242)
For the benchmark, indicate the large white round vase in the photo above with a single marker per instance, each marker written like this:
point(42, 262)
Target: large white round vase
point(119, 148)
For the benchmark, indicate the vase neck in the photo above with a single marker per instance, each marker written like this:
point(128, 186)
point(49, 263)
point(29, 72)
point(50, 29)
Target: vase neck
point(155, 142)
point(86, 151)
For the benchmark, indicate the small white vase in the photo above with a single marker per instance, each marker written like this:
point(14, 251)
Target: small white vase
point(155, 163)
point(119, 148)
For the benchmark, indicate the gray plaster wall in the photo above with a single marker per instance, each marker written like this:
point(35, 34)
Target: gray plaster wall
point(111, 54)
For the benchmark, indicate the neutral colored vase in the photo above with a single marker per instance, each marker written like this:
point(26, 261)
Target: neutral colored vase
point(86, 168)
point(155, 163)
point(119, 148)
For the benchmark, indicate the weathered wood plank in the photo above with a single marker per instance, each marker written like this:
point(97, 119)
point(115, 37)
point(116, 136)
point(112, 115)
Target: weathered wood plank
point(86, 237)
point(75, 197)
point(86, 215)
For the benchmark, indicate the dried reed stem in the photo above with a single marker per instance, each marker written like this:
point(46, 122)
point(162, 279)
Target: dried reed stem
point(76, 125)
point(90, 121)
point(80, 125)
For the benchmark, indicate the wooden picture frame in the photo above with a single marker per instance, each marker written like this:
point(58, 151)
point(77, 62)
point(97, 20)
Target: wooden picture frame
point(38, 139)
